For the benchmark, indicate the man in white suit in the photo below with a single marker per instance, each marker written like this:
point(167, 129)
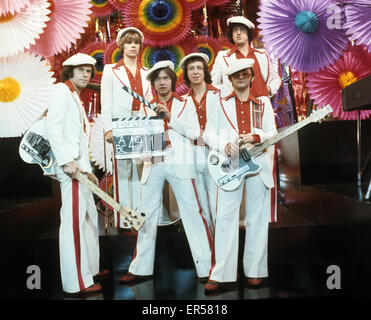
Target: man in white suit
point(206, 98)
point(177, 167)
point(68, 131)
point(242, 121)
point(117, 103)
point(240, 33)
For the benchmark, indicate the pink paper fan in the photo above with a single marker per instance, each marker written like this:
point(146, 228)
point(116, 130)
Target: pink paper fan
point(67, 22)
point(325, 86)
point(101, 8)
point(96, 50)
point(118, 4)
point(12, 6)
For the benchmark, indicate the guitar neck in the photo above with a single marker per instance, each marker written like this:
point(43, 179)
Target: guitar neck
point(260, 148)
point(99, 192)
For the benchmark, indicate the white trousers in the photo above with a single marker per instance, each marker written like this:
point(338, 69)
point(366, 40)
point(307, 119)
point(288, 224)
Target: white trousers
point(195, 226)
point(206, 187)
point(78, 235)
point(257, 214)
point(128, 187)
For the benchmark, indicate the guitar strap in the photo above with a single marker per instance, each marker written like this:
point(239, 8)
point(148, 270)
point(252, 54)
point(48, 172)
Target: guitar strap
point(257, 114)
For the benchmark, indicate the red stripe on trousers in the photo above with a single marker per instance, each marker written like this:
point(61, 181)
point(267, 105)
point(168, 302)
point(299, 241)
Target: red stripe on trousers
point(202, 217)
point(117, 193)
point(213, 261)
point(76, 230)
point(274, 189)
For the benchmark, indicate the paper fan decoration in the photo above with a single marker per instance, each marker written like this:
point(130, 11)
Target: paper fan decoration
point(97, 146)
point(112, 54)
point(107, 187)
point(163, 22)
point(212, 3)
point(174, 53)
point(19, 30)
point(296, 31)
point(325, 86)
point(195, 4)
point(12, 6)
point(224, 43)
point(118, 4)
point(182, 89)
point(209, 46)
point(96, 50)
point(25, 88)
point(101, 8)
point(358, 14)
point(67, 21)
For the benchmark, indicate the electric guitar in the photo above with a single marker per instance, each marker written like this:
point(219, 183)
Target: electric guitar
point(35, 148)
point(229, 174)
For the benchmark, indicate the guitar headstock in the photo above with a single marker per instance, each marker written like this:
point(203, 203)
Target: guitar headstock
point(135, 219)
point(320, 113)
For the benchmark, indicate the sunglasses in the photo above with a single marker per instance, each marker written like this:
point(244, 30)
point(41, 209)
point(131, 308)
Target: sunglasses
point(242, 75)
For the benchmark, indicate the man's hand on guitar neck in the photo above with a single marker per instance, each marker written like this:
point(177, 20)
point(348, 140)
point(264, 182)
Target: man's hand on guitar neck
point(71, 169)
point(93, 178)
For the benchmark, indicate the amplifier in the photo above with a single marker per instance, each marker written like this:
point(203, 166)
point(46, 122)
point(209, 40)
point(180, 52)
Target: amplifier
point(357, 95)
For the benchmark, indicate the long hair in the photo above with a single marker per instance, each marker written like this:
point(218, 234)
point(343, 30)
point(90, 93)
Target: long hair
point(250, 32)
point(67, 72)
point(207, 75)
point(129, 37)
point(170, 72)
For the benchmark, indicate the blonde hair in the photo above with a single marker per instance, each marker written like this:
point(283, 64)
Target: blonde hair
point(129, 37)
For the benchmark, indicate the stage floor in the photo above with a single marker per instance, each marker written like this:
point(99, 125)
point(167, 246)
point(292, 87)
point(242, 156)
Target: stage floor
point(303, 243)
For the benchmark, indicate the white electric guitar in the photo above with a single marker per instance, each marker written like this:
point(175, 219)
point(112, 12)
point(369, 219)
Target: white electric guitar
point(229, 174)
point(35, 148)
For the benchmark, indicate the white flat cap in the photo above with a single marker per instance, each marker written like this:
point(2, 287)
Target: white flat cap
point(239, 64)
point(192, 55)
point(242, 20)
point(78, 59)
point(160, 65)
point(125, 30)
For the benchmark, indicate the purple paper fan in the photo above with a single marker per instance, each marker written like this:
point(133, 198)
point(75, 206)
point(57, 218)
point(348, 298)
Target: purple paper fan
point(297, 31)
point(358, 14)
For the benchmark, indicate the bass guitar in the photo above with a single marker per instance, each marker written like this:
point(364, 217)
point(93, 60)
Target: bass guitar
point(35, 148)
point(229, 174)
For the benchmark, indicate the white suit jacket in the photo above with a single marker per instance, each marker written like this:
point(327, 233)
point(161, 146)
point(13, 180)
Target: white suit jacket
point(115, 101)
point(222, 128)
point(223, 61)
point(183, 129)
point(65, 123)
